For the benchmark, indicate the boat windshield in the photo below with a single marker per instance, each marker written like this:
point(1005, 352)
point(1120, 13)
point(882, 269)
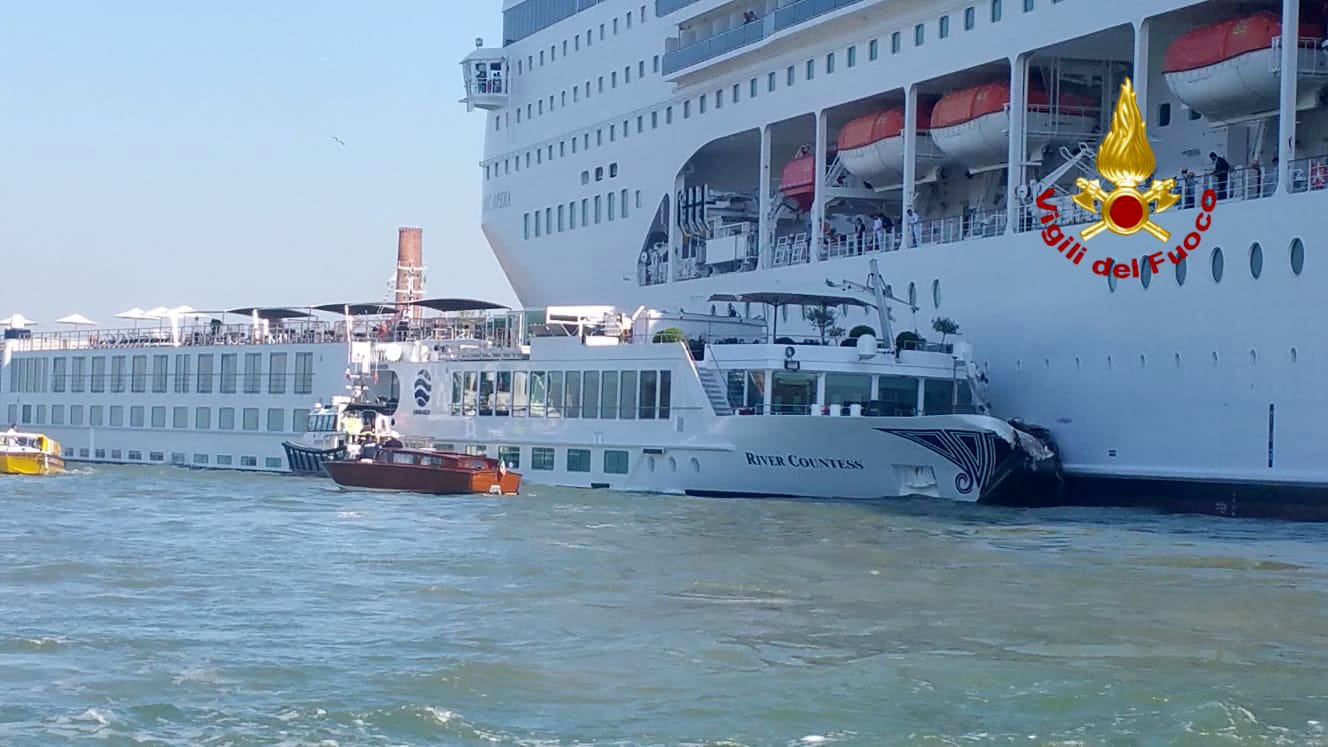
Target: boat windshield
point(21, 443)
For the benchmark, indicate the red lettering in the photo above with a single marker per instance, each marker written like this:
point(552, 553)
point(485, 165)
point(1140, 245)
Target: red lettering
point(1049, 217)
point(1079, 252)
point(1065, 244)
point(1155, 262)
point(1208, 201)
point(1177, 256)
point(1134, 267)
point(1102, 267)
point(1192, 235)
point(1044, 201)
point(1203, 221)
point(1052, 234)
point(1121, 271)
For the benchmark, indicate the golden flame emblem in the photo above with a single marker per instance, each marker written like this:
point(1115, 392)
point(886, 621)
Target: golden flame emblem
point(1126, 159)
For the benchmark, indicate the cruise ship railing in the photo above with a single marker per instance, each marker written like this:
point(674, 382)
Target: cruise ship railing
point(751, 32)
point(1309, 174)
point(665, 7)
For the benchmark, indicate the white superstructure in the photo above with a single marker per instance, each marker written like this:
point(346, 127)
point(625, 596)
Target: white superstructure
point(658, 153)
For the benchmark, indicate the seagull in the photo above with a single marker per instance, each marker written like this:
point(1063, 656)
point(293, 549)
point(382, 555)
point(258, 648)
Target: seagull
point(339, 141)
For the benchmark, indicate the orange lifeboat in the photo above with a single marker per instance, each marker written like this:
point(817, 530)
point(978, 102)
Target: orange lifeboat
point(798, 181)
point(1227, 70)
point(972, 125)
point(871, 147)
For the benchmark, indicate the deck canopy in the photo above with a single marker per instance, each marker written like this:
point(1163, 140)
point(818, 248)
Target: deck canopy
point(785, 298)
point(373, 308)
point(270, 313)
point(456, 304)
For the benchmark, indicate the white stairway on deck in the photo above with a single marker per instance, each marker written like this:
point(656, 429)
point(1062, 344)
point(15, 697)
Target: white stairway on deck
point(713, 383)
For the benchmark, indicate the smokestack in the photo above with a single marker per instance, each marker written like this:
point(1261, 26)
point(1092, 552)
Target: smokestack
point(410, 269)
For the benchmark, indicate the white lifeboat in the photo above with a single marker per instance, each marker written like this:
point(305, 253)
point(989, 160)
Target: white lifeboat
point(1229, 69)
point(872, 147)
point(972, 125)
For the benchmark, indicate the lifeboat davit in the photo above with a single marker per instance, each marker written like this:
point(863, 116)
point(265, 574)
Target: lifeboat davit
point(798, 181)
point(1228, 70)
point(872, 147)
point(972, 125)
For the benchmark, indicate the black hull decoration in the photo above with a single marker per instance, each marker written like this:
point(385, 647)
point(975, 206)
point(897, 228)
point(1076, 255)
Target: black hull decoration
point(308, 462)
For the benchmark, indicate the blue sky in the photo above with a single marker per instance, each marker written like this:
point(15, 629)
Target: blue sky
point(167, 153)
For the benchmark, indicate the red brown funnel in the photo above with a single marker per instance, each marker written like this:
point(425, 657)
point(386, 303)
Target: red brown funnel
point(410, 269)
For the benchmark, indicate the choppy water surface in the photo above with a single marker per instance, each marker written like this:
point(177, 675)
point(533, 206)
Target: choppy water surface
point(148, 606)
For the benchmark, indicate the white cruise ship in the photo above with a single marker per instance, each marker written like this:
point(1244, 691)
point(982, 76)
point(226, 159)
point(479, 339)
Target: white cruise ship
point(659, 153)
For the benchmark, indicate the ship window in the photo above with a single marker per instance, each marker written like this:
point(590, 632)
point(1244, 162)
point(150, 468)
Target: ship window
point(1297, 256)
point(613, 171)
point(75, 414)
point(842, 390)
point(654, 120)
point(995, 11)
point(641, 69)
point(970, 18)
point(789, 76)
point(655, 63)
point(561, 220)
point(1182, 269)
point(919, 34)
point(585, 211)
point(180, 417)
point(615, 462)
point(469, 393)
point(597, 209)
point(573, 389)
point(937, 396)
point(1111, 279)
point(627, 405)
point(936, 293)
point(770, 83)
point(830, 63)
point(249, 417)
point(403, 458)
point(851, 57)
point(537, 224)
point(686, 109)
point(608, 395)
point(578, 460)
point(1145, 272)
point(1193, 115)
point(117, 416)
point(1217, 264)
point(159, 417)
point(622, 204)
point(599, 84)
point(203, 418)
point(894, 43)
point(571, 215)
point(555, 398)
point(1164, 114)
point(590, 397)
point(599, 173)
point(649, 394)
point(612, 201)
point(640, 123)
point(792, 393)
point(1256, 260)
point(486, 394)
point(811, 69)
point(943, 27)
point(613, 79)
point(541, 458)
point(510, 456)
point(138, 457)
point(873, 50)
point(1028, 6)
point(158, 456)
point(57, 414)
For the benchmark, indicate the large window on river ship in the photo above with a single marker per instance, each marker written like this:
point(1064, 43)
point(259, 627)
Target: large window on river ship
point(608, 395)
point(937, 396)
point(572, 409)
point(792, 393)
point(843, 389)
point(590, 398)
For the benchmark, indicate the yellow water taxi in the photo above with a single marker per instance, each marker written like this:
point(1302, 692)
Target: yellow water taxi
point(29, 454)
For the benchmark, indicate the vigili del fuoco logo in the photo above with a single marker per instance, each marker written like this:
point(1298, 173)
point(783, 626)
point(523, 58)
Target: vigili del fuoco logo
point(1125, 159)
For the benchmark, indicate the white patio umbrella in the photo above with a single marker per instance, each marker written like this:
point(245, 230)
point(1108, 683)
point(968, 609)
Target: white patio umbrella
point(78, 320)
point(135, 314)
point(16, 321)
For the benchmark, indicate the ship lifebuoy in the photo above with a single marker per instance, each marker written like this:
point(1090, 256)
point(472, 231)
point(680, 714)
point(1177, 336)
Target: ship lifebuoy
point(789, 352)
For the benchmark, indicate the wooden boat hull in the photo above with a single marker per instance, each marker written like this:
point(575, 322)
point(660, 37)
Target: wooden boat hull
point(31, 464)
point(415, 479)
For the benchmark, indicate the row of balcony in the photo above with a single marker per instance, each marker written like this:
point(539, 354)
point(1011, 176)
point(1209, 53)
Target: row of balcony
point(749, 33)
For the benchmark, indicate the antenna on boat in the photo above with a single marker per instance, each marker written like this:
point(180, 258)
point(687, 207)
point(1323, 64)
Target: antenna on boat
point(876, 287)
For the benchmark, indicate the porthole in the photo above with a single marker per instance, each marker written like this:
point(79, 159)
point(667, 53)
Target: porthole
point(1111, 279)
point(1046, 363)
point(1108, 363)
point(1145, 272)
point(912, 294)
point(1297, 256)
point(1294, 356)
point(1182, 269)
point(1256, 260)
point(1177, 360)
point(1143, 361)
point(1077, 363)
point(1214, 357)
point(936, 293)
point(1254, 357)
point(1217, 264)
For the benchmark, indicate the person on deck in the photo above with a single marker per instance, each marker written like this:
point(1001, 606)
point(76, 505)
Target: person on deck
point(1221, 171)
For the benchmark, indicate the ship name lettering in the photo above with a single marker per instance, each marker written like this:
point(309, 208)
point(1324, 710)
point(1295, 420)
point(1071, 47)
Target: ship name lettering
point(793, 460)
